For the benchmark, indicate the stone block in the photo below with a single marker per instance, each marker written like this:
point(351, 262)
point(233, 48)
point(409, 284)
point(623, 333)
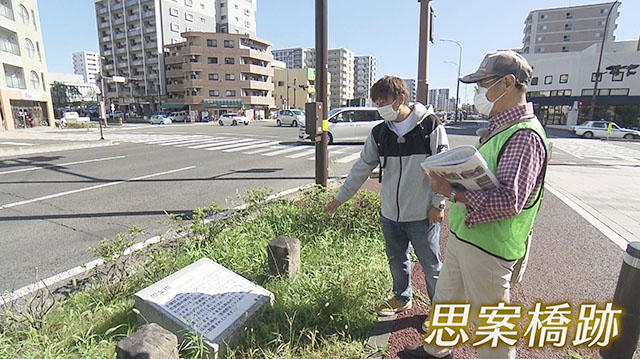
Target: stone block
point(205, 298)
point(150, 341)
point(283, 254)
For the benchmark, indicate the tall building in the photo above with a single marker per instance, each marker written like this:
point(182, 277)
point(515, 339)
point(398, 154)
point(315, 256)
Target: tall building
point(236, 16)
point(364, 74)
point(439, 99)
point(87, 64)
point(24, 95)
point(411, 84)
point(568, 29)
point(132, 36)
point(296, 58)
point(219, 72)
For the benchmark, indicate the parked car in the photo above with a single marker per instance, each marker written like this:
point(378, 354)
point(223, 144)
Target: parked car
point(348, 124)
point(179, 116)
point(160, 120)
point(73, 117)
point(232, 119)
point(291, 117)
point(591, 129)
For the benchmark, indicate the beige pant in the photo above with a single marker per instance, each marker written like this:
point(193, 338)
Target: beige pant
point(472, 276)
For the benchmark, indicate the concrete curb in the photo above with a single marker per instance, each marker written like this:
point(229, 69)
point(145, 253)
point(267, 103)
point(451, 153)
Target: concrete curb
point(53, 147)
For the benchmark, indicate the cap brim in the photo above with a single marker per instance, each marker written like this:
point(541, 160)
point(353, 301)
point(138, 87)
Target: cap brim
point(475, 77)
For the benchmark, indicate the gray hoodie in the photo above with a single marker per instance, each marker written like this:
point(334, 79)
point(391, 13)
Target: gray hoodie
point(405, 193)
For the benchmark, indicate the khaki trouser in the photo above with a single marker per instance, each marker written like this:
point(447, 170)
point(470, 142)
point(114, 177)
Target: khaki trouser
point(472, 276)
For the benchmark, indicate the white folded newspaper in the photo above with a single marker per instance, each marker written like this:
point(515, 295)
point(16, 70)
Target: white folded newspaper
point(464, 168)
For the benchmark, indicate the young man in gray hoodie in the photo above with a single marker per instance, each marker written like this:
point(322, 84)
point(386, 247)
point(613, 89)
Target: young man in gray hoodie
point(411, 212)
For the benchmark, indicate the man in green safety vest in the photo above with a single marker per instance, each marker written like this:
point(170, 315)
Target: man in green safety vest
point(491, 229)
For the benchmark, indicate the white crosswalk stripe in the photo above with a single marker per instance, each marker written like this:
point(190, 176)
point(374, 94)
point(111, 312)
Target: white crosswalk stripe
point(195, 142)
point(233, 145)
point(302, 154)
point(215, 143)
point(178, 142)
point(285, 150)
point(248, 147)
point(259, 150)
point(349, 158)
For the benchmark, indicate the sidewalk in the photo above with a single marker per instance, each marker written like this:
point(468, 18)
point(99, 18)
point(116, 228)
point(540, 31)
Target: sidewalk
point(45, 139)
point(569, 261)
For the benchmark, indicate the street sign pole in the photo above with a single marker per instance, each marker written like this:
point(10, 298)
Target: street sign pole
point(321, 90)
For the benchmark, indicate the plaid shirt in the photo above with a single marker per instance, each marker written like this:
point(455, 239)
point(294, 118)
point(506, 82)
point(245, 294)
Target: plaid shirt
point(519, 172)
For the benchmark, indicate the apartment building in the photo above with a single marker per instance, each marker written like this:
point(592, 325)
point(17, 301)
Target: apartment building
point(296, 58)
point(236, 16)
point(364, 75)
point(132, 36)
point(411, 85)
point(295, 87)
point(219, 72)
point(87, 64)
point(568, 29)
point(439, 99)
point(24, 96)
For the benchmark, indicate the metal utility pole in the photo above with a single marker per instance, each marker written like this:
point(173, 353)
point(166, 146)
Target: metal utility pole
point(321, 90)
point(458, 79)
point(598, 75)
point(423, 51)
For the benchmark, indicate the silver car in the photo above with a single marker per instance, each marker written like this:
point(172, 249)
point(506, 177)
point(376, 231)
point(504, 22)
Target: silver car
point(291, 117)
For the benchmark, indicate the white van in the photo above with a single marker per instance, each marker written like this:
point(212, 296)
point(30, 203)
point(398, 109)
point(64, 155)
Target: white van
point(348, 124)
point(178, 116)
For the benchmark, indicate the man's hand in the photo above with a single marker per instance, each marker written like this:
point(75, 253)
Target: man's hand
point(331, 207)
point(439, 184)
point(435, 215)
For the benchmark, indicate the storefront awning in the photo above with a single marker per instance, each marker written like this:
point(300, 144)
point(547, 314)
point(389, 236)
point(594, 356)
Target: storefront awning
point(222, 103)
point(171, 106)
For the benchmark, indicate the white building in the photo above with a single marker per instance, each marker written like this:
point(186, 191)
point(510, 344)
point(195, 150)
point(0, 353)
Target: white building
point(568, 29)
point(295, 58)
point(439, 99)
point(364, 75)
point(24, 95)
point(87, 64)
point(132, 35)
point(236, 16)
point(411, 84)
point(564, 80)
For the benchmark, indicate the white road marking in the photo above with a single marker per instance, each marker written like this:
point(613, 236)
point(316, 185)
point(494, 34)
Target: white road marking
point(190, 139)
point(18, 143)
point(61, 164)
point(216, 143)
point(262, 150)
point(302, 154)
point(347, 159)
point(286, 150)
point(60, 194)
point(204, 140)
point(236, 145)
point(270, 143)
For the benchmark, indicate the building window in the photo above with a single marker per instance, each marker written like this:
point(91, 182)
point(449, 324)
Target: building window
point(247, 24)
point(14, 77)
point(565, 48)
point(24, 14)
point(214, 93)
point(174, 12)
point(540, 38)
point(229, 61)
point(212, 60)
point(236, 6)
point(223, 17)
point(594, 76)
point(544, 16)
point(228, 43)
point(534, 81)
point(189, 29)
point(202, 6)
point(222, 4)
point(35, 80)
point(587, 92)
point(566, 38)
point(604, 11)
point(247, 12)
point(568, 26)
point(569, 15)
point(213, 77)
point(33, 20)
point(230, 93)
point(543, 27)
point(28, 45)
point(564, 78)
point(617, 77)
point(230, 77)
point(619, 92)
point(175, 27)
point(189, 3)
point(598, 34)
point(203, 20)
point(188, 16)
point(280, 83)
point(541, 49)
point(548, 80)
point(601, 22)
point(604, 92)
point(212, 43)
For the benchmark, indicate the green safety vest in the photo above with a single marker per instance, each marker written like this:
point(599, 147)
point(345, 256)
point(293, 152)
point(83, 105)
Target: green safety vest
point(505, 238)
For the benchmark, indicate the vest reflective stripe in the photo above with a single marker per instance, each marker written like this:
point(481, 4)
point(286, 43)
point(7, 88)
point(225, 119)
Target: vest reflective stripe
point(505, 238)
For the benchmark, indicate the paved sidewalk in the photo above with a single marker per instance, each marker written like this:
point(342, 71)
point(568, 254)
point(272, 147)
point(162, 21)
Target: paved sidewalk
point(46, 139)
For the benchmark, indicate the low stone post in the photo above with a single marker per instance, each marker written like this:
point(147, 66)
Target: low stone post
point(284, 256)
point(150, 341)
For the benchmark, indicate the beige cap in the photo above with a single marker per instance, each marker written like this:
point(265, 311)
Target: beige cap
point(501, 63)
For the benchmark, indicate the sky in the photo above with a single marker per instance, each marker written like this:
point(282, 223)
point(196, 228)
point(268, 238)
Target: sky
point(367, 27)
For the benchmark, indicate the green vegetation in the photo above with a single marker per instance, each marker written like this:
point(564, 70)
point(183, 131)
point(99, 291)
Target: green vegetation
point(326, 310)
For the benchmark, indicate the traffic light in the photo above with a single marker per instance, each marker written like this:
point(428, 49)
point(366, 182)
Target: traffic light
point(580, 104)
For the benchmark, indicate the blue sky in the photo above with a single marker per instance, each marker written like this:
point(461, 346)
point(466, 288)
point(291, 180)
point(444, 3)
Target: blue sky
point(368, 27)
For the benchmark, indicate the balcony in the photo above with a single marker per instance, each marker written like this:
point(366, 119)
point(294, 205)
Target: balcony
point(257, 100)
point(172, 60)
point(173, 74)
point(119, 36)
point(132, 3)
point(197, 83)
point(116, 6)
point(259, 55)
point(104, 25)
point(150, 45)
point(257, 85)
point(103, 11)
point(149, 29)
point(136, 62)
point(108, 67)
point(119, 21)
point(121, 50)
point(152, 60)
point(175, 88)
point(107, 53)
point(106, 38)
point(136, 47)
point(133, 18)
point(134, 32)
point(148, 14)
point(255, 69)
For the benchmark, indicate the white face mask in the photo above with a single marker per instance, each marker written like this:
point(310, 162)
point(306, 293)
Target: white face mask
point(481, 102)
point(388, 113)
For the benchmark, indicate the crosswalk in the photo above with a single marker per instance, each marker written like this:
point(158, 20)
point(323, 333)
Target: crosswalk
point(597, 150)
point(342, 154)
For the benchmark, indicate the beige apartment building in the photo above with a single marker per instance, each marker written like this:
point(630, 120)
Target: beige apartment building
point(219, 72)
point(295, 87)
point(568, 29)
point(24, 96)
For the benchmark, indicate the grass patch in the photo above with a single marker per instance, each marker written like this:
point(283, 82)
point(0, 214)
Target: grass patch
point(326, 310)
